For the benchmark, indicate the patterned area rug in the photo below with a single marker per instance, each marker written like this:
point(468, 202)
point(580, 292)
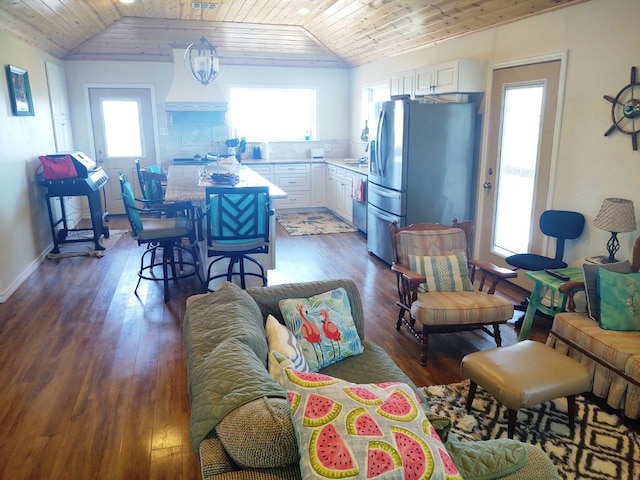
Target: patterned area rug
point(84, 249)
point(314, 223)
point(602, 447)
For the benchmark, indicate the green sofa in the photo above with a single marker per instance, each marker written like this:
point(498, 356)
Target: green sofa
point(240, 425)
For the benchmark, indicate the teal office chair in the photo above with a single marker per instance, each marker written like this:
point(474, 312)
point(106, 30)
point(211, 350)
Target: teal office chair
point(171, 237)
point(237, 227)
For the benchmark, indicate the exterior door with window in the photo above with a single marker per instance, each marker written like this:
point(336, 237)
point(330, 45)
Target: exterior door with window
point(521, 122)
point(122, 121)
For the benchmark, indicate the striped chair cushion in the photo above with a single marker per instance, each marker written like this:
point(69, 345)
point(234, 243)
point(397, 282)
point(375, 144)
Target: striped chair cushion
point(460, 308)
point(619, 349)
point(430, 243)
point(632, 406)
point(612, 346)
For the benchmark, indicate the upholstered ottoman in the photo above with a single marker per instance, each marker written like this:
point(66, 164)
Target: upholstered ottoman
point(525, 374)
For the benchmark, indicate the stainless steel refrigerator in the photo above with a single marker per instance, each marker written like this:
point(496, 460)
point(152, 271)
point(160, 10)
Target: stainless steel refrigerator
point(422, 167)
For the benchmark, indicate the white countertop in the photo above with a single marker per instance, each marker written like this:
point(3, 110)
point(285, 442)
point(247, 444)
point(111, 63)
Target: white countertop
point(348, 163)
point(183, 183)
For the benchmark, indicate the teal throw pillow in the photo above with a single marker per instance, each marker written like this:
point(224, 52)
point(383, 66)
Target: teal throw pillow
point(590, 272)
point(323, 326)
point(619, 300)
point(447, 273)
point(346, 430)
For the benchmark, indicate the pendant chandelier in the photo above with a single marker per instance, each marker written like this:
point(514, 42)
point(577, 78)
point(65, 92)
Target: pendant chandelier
point(203, 61)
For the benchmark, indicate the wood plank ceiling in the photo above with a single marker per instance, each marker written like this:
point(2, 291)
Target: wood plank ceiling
point(309, 33)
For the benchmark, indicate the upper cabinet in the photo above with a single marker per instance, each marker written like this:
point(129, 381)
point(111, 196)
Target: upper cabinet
point(402, 83)
point(57, 83)
point(59, 103)
point(459, 76)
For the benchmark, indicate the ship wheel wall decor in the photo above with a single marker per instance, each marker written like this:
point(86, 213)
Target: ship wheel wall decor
point(625, 110)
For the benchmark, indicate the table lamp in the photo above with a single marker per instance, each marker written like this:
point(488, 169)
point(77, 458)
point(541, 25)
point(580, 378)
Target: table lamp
point(616, 215)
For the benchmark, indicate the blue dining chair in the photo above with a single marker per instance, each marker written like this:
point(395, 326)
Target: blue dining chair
point(237, 227)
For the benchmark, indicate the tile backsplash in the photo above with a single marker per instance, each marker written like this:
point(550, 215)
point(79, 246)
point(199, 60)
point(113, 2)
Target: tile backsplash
point(187, 135)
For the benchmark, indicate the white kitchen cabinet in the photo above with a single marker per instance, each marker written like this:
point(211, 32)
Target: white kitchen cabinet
point(459, 76)
point(318, 185)
point(57, 84)
point(267, 171)
point(63, 136)
point(339, 199)
point(332, 188)
point(295, 179)
point(402, 83)
point(59, 104)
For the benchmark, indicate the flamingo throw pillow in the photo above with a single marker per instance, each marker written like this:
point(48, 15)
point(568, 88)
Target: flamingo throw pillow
point(323, 326)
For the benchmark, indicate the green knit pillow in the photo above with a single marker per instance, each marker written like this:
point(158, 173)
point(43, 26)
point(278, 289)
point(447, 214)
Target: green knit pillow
point(447, 273)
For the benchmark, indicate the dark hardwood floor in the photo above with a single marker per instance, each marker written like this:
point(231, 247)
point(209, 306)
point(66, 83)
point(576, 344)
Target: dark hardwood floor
point(93, 380)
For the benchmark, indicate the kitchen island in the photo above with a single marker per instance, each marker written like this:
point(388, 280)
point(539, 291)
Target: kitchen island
point(185, 185)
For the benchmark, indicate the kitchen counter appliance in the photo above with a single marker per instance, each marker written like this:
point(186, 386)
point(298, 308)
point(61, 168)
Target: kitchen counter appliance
point(422, 168)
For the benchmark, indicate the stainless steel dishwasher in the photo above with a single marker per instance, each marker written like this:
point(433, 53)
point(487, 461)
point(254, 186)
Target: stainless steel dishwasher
point(360, 206)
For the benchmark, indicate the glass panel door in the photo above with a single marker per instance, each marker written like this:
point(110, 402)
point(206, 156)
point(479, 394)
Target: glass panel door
point(518, 169)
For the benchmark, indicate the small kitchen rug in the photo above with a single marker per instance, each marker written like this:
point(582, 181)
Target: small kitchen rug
point(313, 223)
point(601, 446)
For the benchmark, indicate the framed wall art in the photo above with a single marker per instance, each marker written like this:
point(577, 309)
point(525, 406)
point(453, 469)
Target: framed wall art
point(19, 91)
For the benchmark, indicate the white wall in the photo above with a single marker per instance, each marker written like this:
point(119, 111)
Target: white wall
point(600, 38)
point(333, 91)
point(25, 236)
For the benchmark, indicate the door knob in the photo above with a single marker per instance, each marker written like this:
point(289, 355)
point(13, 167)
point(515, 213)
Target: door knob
point(487, 185)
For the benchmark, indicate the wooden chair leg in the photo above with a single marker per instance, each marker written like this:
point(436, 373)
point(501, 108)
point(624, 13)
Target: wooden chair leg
point(571, 411)
point(473, 386)
point(511, 425)
point(424, 347)
point(496, 334)
point(400, 317)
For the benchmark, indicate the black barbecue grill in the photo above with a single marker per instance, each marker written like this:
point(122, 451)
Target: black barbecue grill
point(91, 179)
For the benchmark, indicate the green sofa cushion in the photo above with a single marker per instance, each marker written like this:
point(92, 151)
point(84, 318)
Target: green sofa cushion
point(259, 434)
point(226, 313)
point(488, 459)
point(222, 390)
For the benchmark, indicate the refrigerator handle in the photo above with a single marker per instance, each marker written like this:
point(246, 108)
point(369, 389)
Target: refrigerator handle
point(379, 149)
point(385, 218)
point(384, 192)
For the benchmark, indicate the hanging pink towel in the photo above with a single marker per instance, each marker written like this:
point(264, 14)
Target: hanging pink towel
point(357, 189)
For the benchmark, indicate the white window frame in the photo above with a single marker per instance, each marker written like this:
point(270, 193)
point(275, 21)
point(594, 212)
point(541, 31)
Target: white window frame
point(267, 120)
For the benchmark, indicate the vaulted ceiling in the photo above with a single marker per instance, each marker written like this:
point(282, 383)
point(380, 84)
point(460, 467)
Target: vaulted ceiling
point(309, 33)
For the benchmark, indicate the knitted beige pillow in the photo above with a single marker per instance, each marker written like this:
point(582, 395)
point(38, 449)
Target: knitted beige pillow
point(260, 434)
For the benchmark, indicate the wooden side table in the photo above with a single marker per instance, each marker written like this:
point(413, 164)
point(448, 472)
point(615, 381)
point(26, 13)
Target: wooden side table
point(546, 286)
